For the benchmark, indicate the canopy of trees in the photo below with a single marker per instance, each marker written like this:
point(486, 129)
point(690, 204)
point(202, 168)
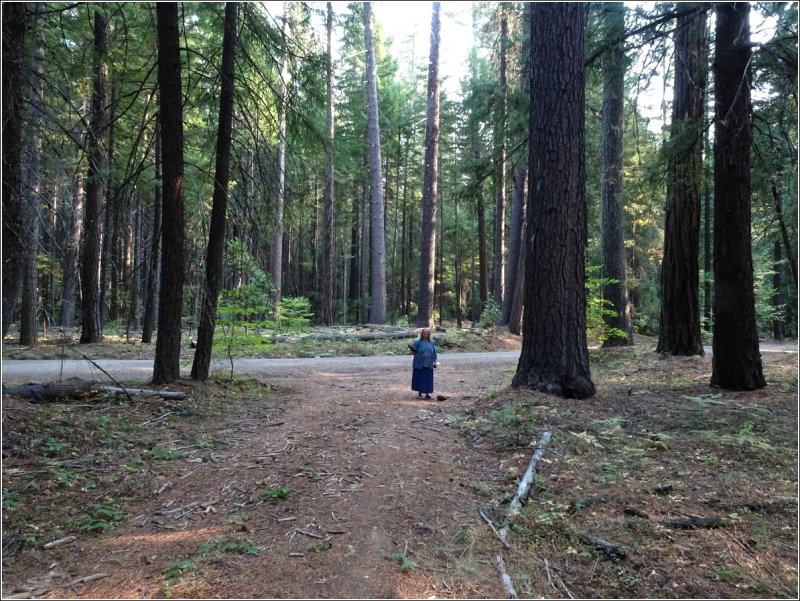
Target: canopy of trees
point(112, 173)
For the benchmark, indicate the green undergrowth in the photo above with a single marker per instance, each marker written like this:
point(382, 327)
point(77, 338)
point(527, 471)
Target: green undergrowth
point(657, 487)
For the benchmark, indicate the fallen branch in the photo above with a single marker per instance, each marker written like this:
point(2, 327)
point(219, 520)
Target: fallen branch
point(491, 525)
point(164, 394)
point(506, 579)
point(524, 488)
point(60, 541)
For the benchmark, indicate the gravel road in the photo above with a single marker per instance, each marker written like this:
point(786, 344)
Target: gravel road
point(20, 371)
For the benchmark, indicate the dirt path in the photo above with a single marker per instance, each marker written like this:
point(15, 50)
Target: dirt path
point(370, 475)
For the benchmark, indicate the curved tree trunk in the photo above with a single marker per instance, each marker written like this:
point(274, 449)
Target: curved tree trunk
point(219, 203)
point(555, 355)
point(737, 360)
point(430, 181)
point(679, 327)
point(613, 238)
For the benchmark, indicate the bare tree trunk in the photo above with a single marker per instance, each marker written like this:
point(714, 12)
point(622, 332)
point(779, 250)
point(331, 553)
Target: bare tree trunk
point(613, 239)
point(166, 366)
point(790, 254)
point(517, 295)
point(777, 297)
point(555, 355)
point(430, 181)
point(378, 254)
point(29, 309)
point(326, 314)
point(515, 241)
point(500, 163)
point(71, 248)
point(154, 277)
point(91, 316)
point(679, 327)
point(276, 259)
point(216, 236)
point(14, 29)
point(737, 360)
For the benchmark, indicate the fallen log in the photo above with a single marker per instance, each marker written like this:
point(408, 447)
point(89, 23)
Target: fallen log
point(613, 551)
point(368, 336)
point(42, 392)
point(75, 388)
point(693, 523)
point(524, 488)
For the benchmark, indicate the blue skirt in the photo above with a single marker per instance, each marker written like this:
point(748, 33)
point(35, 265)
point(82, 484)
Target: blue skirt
point(422, 380)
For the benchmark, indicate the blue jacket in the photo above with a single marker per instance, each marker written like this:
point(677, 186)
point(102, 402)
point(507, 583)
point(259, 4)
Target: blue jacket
point(425, 357)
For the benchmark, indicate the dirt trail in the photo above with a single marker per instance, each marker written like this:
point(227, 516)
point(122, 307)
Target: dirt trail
point(373, 475)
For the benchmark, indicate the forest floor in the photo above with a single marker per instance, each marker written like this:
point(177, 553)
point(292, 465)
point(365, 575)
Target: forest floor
point(343, 484)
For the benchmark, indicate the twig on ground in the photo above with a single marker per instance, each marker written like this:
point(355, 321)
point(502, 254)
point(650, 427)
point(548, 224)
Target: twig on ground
point(491, 525)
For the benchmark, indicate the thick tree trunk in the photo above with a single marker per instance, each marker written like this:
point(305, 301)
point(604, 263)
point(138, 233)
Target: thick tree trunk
point(378, 255)
point(166, 366)
point(14, 29)
point(613, 238)
point(29, 309)
point(737, 360)
point(219, 204)
point(679, 327)
point(430, 182)
point(555, 355)
point(91, 315)
point(326, 313)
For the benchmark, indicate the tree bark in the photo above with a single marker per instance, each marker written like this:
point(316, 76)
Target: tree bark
point(430, 181)
point(500, 164)
point(91, 314)
point(154, 271)
point(613, 238)
point(276, 256)
point(326, 313)
point(555, 355)
point(14, 30)
point(166, 366)
point(71, 249)
point(219, 205)
point(679, 325)
point(378, 254)
point(777, 296)
point(737, 360)
point(29, 308)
